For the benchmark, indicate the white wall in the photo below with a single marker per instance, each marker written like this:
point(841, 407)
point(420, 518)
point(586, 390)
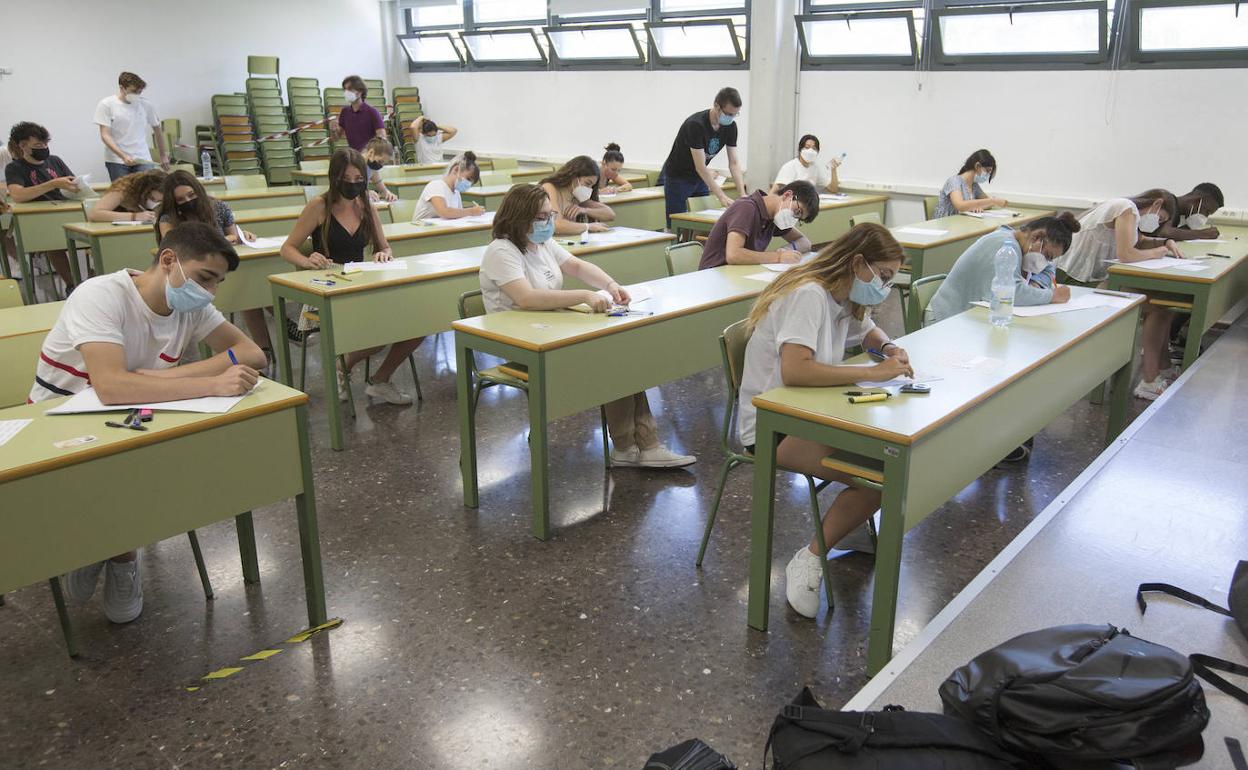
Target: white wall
point(186, 51)
point(1052, 133)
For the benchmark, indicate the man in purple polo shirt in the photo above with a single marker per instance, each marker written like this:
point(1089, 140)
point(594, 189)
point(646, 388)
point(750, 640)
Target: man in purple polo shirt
point(743, 233)
point(359, 121)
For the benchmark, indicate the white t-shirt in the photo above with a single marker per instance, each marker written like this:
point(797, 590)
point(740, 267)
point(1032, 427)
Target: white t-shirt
point(129, 124)
point(806, 316)
point(108, 308)
point(436, 189)
point(429, 152)
point(504, 263)
point(1095, 242)
point(817, 173)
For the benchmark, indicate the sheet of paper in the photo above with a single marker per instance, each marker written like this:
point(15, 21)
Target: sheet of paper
point(614, 235)
point(776, 267)
point(897, 382)
point(994, 214)
point(86, 401)
point(764, 276)
point(959, 360)
point(436, 261)
point(637, 294)
point(716, 213)
point(130, 223)
point(923, 231)
point(720, 179)
point(1156, 264)
point(1205, 240)
point(374, 267)
point(274, 242)
point(9, 429)
point(479, 219)
point(833, 196)
point(1192, 266)
point(1082, 302)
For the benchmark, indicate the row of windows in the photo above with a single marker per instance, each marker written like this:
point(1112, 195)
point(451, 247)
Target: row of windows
point(929, 34)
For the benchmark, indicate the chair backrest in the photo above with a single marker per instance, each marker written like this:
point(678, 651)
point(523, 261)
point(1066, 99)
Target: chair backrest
point(921, 293)
point(929, 206)
point(245, 182)
point(683, 257)
point(869, 216)
point(495, 178)
point(262, 65)
point(402, 209)
point(703, 203)
point(393, 172)
point(314, 165)
point(10, 293)
point(733, 341)
point(471, 304)
point(502, 164)
point(312, 190)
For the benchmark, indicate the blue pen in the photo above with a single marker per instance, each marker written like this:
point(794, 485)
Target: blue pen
point(876, 354)
point(230, 353)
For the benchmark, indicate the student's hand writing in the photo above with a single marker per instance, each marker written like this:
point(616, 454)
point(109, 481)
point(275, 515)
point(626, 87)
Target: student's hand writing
point(1060, 294)
point(383, 256)
point(787, 257)
point(618, 293)
point(373, 197)
point(145, 216)
point(65, 183)
point(235, 381)
point(598, 227)
point(390, 197)
point(318, 261)
point(249, 235)
point(596, 302)
point(1173, 248)
point(475, 210)
point(890, 368)
point(898, 352)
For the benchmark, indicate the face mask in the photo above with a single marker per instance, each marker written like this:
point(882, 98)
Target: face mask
point(431, 138)
point(1149, 222)
point(462, 186)
point(349, 96)
point(352, 190)
point(1035, 261)
point(809, 154)
point(375, 165)
point(1197, 221)
point(151, 204)
point(785, 219)
point(130, 98)
point(864, 293)
point(188, 297)
point(40, 153)
point(188, 209)
point(582, 193)
point(981, 177)
point(726, 120)
point(542, 231)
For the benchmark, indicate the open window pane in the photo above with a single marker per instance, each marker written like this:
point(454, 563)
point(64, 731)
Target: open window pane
point(857, 37)
point(450, 13)
point(1194, 28)
point(589, 44)
point(1067, 31)
point(501, 11)
point(518, 46)
point(430, 49)
point(679, 6)
point(694, 41)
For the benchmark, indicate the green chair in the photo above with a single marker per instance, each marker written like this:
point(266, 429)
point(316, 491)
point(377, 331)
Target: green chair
point(868, 216)
point(495, 178)
point(503, 164)
point(402, 210)
point(929, 206)
point(472, 304)
point(732, 345)
point(703, 203)
point(262, 65)
point(10, 293)
point(921, 293)
point(683, 257)
point(245, 182)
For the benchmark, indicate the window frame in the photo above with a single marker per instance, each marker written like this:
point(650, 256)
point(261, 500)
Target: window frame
point(939, 60)
point(586, 64)
point(659, 62)
point(1134, 58)
point(514, 64)
point(866, 61)
point(449, 34)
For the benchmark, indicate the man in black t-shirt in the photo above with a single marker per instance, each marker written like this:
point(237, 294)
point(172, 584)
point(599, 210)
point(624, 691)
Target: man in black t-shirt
point(37, 175)
point(701, 137)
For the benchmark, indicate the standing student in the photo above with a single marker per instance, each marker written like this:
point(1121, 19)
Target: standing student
point(341, 223)
point(35, 174)
point(124, 119)
point(703, 134)
point(523, 269)
point(964, 192)
point(429, 138)
point(123, 334)
point(131, 198)
point(1190, 219)
point(442, 197)
point(573, 190)
point(742, 234)
point(1113, 231)
point(612, 162)
point(807, 167)
point(358, 121)
point(801, 324)
point(377, 153)
point(183, 199)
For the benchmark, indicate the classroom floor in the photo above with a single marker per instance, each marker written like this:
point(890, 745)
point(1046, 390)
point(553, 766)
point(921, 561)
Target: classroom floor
point(468, 644)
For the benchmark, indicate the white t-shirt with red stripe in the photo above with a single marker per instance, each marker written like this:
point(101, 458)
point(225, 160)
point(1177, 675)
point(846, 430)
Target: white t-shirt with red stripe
point(108, 308)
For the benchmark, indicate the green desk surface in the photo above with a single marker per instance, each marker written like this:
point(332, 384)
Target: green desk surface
point(635, 194)
point(414, 180)
point(47, 207)
point(958, 227)
point(710, 217)
point(28, 319)
point(404, 231)
point(262, 194)
point(271, 214)
point(108, 229)
point(1236, 247)
point(216, 181)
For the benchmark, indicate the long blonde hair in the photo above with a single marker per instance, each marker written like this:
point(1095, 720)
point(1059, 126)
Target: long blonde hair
point(833, 266)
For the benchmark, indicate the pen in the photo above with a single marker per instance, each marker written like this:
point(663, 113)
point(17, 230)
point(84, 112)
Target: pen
point(1107, 292)
point(876, 354)
point(343, 276)
point(112, 424)
point(1223, 256)
point(868, 398)
point(233, 358)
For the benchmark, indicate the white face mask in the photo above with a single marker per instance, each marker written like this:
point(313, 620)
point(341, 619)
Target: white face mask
point(582, 193)
point(1149, 223)
point(1034, 261)
point(1197, 221)
point(809, 154)
point(130, 98)
point(349, 96)
point(151, 204)
point(785, 218)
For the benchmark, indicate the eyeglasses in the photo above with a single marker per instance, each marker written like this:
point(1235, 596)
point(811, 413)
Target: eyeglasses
point(544, 220)
point(887, 284)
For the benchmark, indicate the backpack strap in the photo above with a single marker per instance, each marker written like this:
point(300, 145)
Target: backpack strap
point(1204, 665)
point(1237, 753)
point(1178, 593)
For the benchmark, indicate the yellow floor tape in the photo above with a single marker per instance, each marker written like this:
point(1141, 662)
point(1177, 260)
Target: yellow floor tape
point(265, 654)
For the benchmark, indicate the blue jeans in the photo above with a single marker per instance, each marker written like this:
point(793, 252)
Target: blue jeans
point(118, 170)
point(677, 190)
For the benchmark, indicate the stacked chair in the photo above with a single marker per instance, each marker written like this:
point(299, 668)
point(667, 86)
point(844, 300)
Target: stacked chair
point(271, 121)
point(233, 136)
point(407, 108)
point(306, 106)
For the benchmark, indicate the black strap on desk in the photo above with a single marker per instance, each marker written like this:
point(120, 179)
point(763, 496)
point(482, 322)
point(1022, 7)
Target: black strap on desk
point(1204, 666)
point(1237, 753)
point(1178, 593)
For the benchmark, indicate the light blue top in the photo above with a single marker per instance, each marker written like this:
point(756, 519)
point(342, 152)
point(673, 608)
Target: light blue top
point(970, 278)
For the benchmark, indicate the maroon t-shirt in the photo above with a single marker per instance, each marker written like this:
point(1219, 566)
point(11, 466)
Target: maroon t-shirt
point(747, 216)
point(360, 125)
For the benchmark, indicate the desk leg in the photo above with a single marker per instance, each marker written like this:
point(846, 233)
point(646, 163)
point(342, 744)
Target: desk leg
point(1195, 329)
point(309, 534)
point(539, 458)
point(329, 364)
point(762, 517)
point(1120, 391)
point(23, 262)
point(888, 561)
point(246, 530)
point(62, 612)
point(71, 252)
point(283, 353)
point(467, 420)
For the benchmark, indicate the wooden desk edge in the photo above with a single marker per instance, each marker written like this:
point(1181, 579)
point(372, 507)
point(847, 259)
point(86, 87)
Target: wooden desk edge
point(1024, 219)
point(435, 230)
point(1139, 272)
point(334, 291)
point(85, 228)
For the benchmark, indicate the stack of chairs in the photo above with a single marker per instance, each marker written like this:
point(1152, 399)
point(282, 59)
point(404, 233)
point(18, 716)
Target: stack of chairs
point(269, 116)
point(233, 135)
point(407, 108)
point(306, 107)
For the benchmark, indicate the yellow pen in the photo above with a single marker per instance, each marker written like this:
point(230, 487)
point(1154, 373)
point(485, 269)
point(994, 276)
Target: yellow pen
point(869, 398)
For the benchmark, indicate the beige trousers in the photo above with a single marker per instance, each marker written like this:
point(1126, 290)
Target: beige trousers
point(629, 422)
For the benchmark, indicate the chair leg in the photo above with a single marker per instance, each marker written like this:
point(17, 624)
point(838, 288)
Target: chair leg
point(478, 386)
point(817, 518)
point(350, 396)
point(875, 536)
point(303, 366)
point(903, 296)
point(411, 360)
point(63, 613)
point(368, 371)
point(729, 464)
point(199, 564)
point(606, 445)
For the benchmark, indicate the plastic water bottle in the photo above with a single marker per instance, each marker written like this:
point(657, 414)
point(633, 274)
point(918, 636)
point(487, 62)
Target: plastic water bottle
point(1001, 306)
point(205, 160)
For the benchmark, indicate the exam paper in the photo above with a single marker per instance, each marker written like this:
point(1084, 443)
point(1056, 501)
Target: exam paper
point(1192, 266)
point(716, 213)
point(994, 214)
point(374, 267)
point(959, 360)
point(924, 231)
point(833, 196)
point(1081, 302)
point(764, 276)
point(86, 401)
point(274, 242)
point(130, 223)
point(9, 429)
point(617, 235)
point(478, 219)
point(1205, 240)
point(1156, 264)
point(636, 294)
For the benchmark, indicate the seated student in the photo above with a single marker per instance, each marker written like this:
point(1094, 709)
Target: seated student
point(132, 198)
point(1112, 230)
point(962, 191)
point(341, 223)
point(806, 166)
point(35, 174)
point(123, 334)
point(1035, 245)
point(429, 139)
point(612, 162)
point(802, 323)
point(443, 197)
point(377, 153)
point(742, 233)
point(1190, 219)
point(524, 269)
point(183, 199)
point(573, 190)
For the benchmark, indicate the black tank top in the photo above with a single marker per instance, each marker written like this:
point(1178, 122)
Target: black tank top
point(343, 247)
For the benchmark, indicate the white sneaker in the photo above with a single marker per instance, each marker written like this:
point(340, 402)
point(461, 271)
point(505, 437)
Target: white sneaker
point(387, 392)
point(630, 457)
point(80, 584)
point(803, 579)
point(858, 540)
point(123, 590)
point(662, 457)
point(1171, 374)
point(1149, 391)
point(344, 384)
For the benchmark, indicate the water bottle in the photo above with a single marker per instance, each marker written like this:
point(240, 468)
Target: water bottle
point(205, 160)
point(1001, 307)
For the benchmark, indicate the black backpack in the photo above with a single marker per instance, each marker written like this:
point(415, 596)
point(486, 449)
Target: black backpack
point(1083, 693)
point(805, 736)
point(690, 755)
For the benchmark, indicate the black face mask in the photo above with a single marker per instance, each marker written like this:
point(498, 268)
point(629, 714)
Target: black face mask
point(352, 190)
point(189, 208)
point(375, 165)
point(40, 153)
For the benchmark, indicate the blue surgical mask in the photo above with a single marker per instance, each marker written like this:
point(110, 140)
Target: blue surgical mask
point(981, 178)
point(872, 293)
point(542, 231)
point(726, 120)
point(462, 186)
point(188, 297)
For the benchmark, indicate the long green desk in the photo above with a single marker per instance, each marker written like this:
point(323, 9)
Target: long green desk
point(934, 254)
point(112, 246)
point(214, 185)
point(65, 508)
point(409, 188)
point(832, 222)
point(22, 330)
point(37, 227)
point(408, 239)
point(378, 308)
point(930, 447)
point(321, 176)
point(578, 361)
point(262, 197)
point(639, 207)
point(1209, 293)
